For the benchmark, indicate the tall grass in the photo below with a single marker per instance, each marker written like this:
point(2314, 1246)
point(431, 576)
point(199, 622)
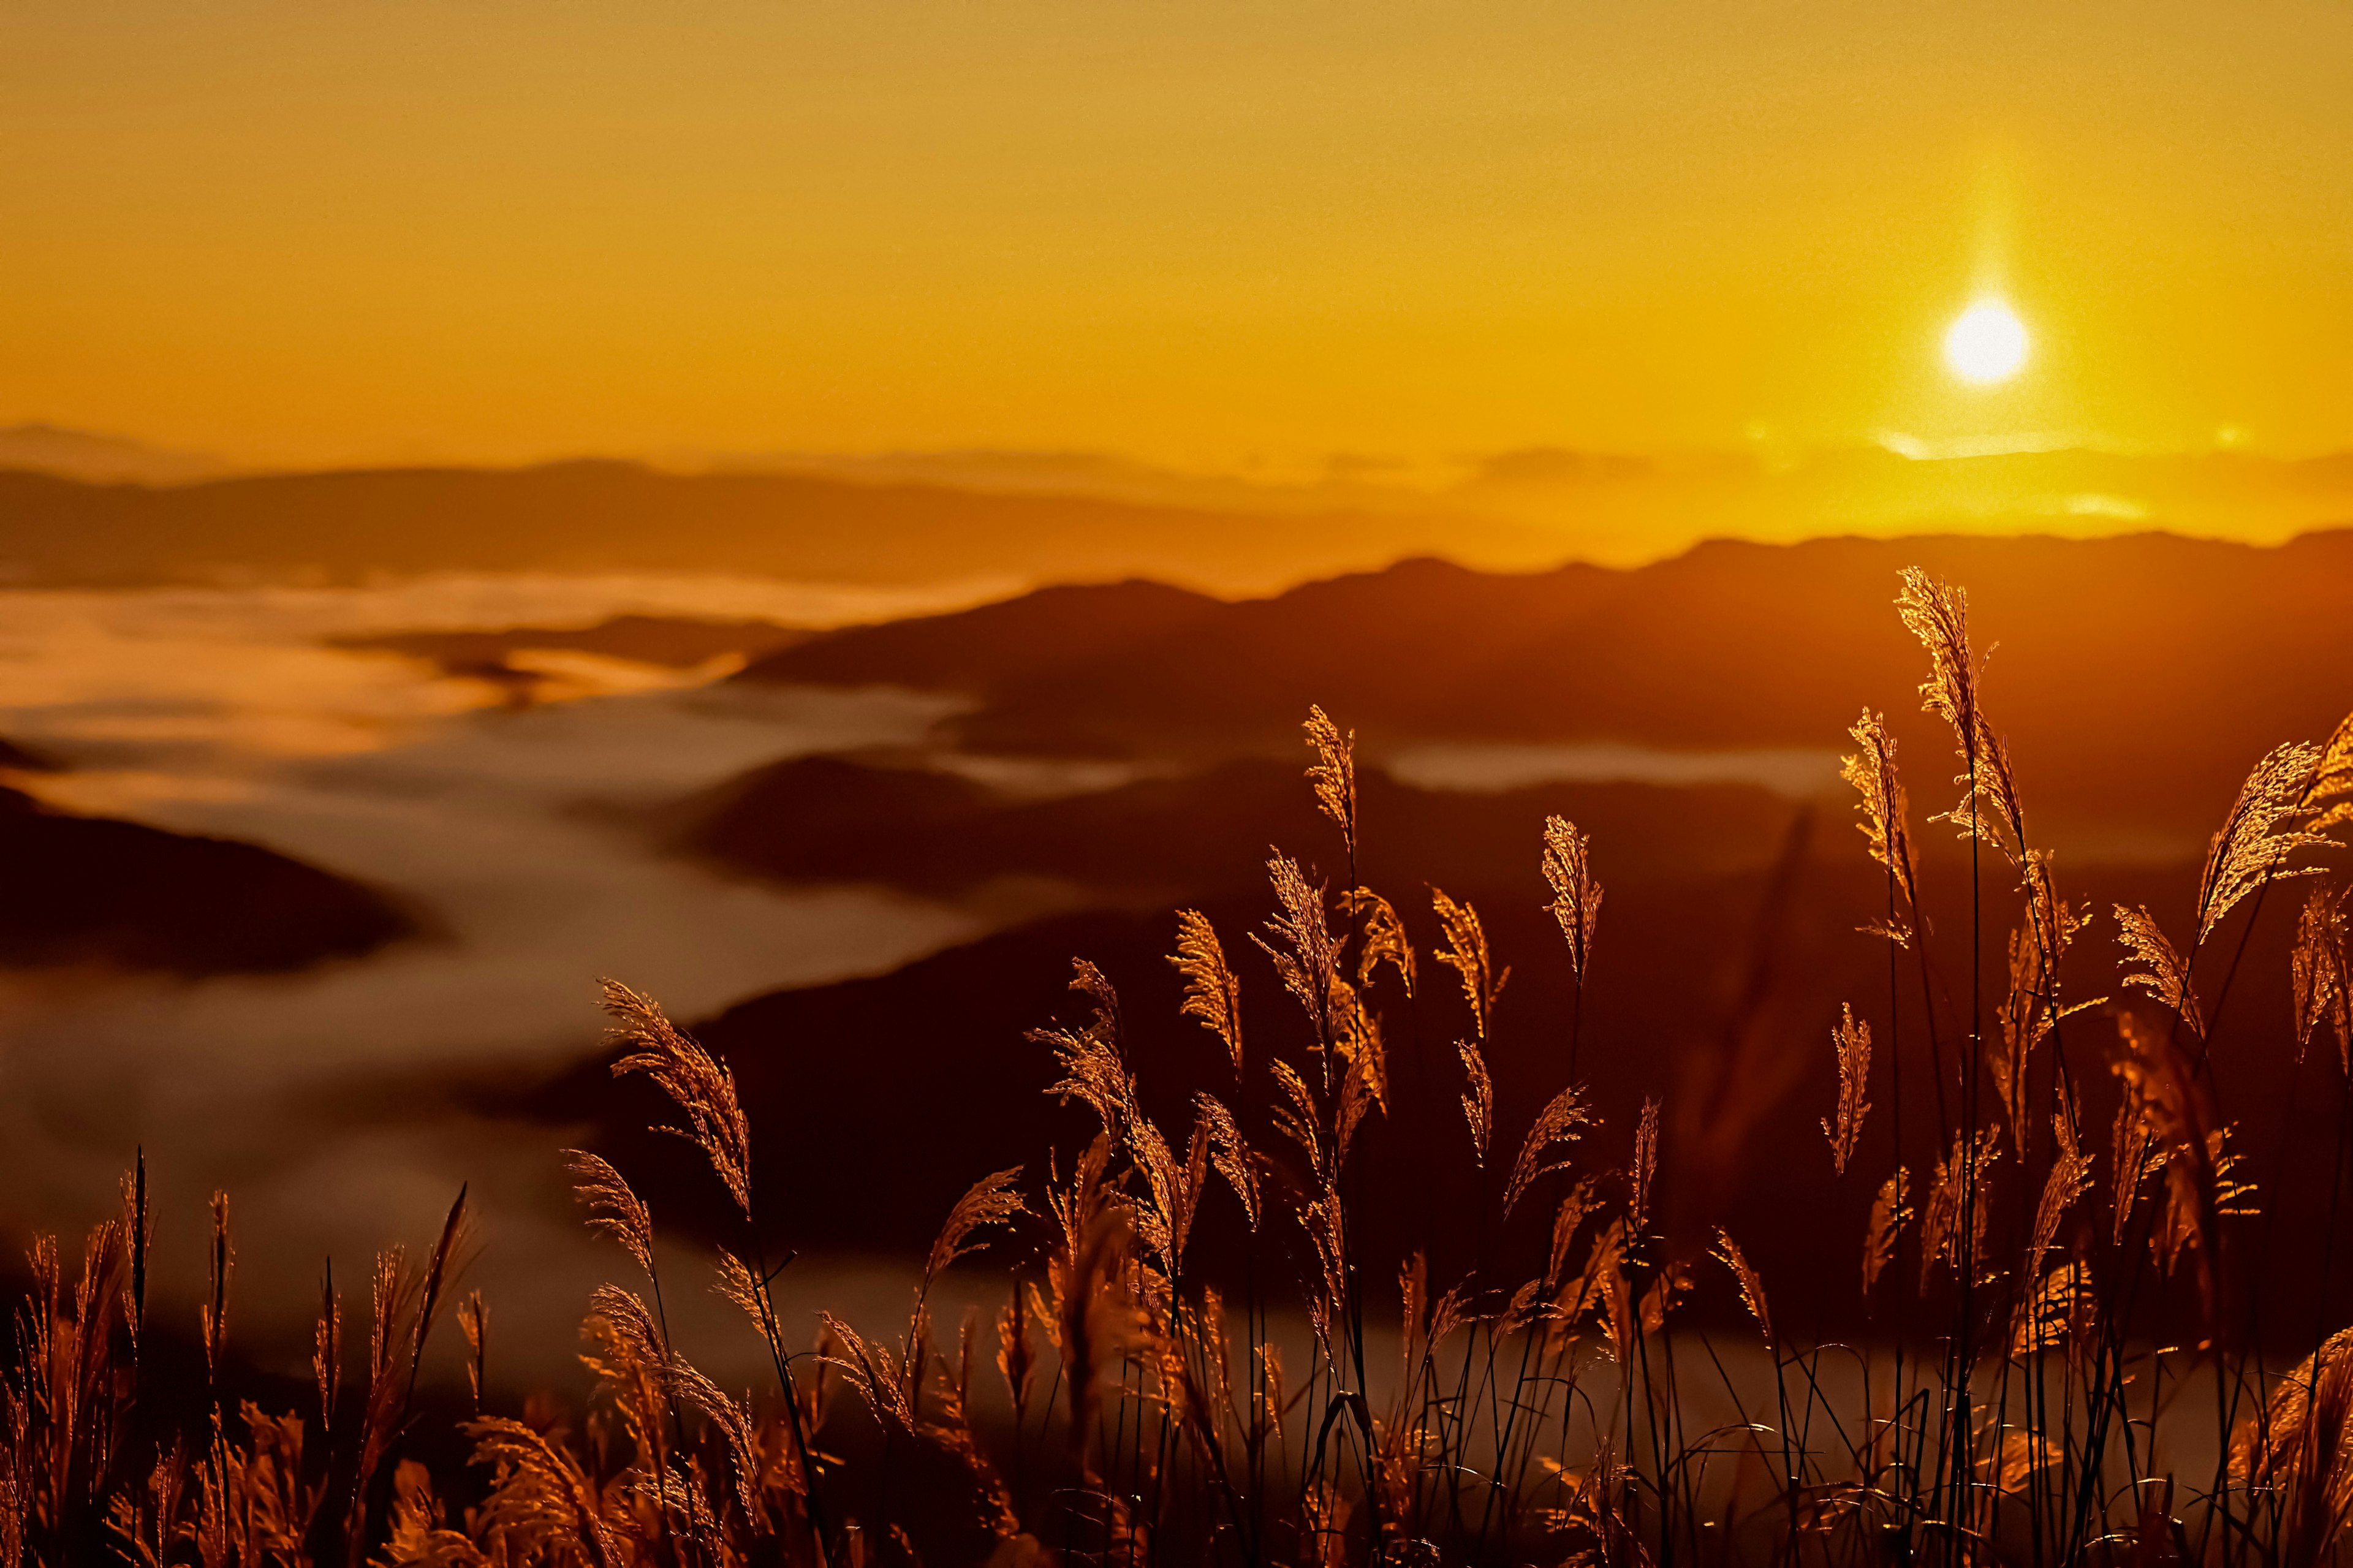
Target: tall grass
point(1550, 1406)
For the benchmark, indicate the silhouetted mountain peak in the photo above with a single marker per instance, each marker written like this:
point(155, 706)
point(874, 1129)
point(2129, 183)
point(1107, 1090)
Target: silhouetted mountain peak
point(977, 650)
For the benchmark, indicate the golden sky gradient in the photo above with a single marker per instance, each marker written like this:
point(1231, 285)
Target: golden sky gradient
point(1212, 234)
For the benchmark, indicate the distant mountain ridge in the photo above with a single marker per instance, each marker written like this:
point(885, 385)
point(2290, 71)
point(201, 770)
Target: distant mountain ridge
point(100, 459)
point(605, 517)
point(76, 507)
point(1055, 517)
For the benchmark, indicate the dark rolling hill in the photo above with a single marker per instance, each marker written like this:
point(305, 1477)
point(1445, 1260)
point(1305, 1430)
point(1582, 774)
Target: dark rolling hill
point(983, 650)
point(1730, 938)
point(875, 1101)
point(94, 891)
point(15, 758)
point(674, 640)
point(1197, 835)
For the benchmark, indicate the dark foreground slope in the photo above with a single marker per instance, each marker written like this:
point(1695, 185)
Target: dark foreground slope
point(875, 1101)
point(876, 1094)
point(1731, 937)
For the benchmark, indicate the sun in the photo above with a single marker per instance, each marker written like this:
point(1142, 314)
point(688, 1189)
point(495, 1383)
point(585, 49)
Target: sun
point(1986, 343)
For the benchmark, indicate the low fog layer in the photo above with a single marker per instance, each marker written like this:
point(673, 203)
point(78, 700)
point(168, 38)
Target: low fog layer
point(324, 1101)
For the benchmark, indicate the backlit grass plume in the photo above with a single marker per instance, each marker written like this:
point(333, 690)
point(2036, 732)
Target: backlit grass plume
point(1333, 773)
point(1478, 1099)
point(1094, 1068)
point(1851, 1040)
point(1752, 1288)
point(2320, 975)
point(1213, 993)
point(1643, 1171)
point(1890, 1213)
point(1306, 952)
point(1885, 825)
point(991, 1202)
point(1381, 939)
point(2301, 1451)
point(1575, 896)
point(614, 1209)
point(697, 1082)
point(1229, 1156)
point(1465, 951)
point(1938, 616)
point(1559, 1123)
point(2163, 973)
point(2329, 798)
point(2261, 831)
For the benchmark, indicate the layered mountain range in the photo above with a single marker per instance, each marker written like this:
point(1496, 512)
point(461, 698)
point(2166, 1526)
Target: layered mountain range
point(613, 517)
point(2136, 679)
point(84, 508)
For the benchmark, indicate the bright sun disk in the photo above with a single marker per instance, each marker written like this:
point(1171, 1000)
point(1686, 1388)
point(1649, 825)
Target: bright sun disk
point(1987, 343)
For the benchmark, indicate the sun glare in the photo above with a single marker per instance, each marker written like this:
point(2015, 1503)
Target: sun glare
point(1986, 343)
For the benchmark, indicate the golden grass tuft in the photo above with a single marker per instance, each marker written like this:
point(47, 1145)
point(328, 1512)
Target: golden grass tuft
point(1890, 1213)
point(1478, 1099)
point(1212, 993)
point(2263, 830)
point(695, 1081)
point(615, 1210)
point(1885, 825)
point(991, 1202)
point(2164, 973)
point(1852, 1041)
point(1382, 939)
point(1567, 864)
point(1561, 1122)
point(1333, 773)
point(1466, 953)
point(1752, 1288)
point(2320, 975)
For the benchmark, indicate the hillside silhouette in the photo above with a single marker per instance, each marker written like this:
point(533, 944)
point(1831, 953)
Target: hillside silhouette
point(1197, 836)
point(2136, 678)
point(95, 890)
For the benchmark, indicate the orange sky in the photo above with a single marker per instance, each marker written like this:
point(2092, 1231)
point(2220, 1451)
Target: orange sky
point(1212, 235)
